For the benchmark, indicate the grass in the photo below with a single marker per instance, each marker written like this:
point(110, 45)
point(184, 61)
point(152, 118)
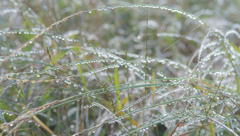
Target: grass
point(115, 68)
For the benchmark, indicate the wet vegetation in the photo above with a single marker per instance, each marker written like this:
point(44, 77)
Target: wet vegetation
point(156, 68)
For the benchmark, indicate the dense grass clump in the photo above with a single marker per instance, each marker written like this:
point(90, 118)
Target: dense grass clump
point(118, 68)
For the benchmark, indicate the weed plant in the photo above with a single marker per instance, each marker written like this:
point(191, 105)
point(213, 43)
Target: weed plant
point(71, 67)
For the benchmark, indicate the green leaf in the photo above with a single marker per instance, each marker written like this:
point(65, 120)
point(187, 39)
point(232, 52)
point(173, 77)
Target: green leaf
point(235, 47)
point(76, 48)
point(82, 77)
point(124, 101)
point(238, 85)
point(211, 128)
point(116, 77)
point(166, 132)
point(56, 58)
point(20, 94)
point(153, 87)
point(28, 48)
point(59, 56)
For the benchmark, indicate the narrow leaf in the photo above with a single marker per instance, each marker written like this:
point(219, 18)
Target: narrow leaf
point(59, 56)
point(116, 77)
point(235, 47)
point(40, 122)
point(75, 48)
point(153, 87)
point(135, 123)
point(124, 101)
point(56, 58)
point(211, 129)
point(82, 77)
